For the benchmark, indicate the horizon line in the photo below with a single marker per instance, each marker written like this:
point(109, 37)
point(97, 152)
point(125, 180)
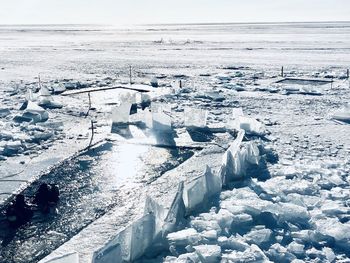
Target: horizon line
point(175, 23)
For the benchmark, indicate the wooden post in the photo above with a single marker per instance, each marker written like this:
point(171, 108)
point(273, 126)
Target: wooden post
point(39, 80)
point(180, 84)
point(347, 74)
point(130, 75)
point(282, 73)
point(87, 113)
point(92, 133)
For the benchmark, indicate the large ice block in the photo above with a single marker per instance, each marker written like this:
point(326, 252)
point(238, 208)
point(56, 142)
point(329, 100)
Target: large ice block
point(44, 91)
point(343, 114)
point(110, 253)
point(124, 238)
point(142, 236)
point(237, 112)
point(120, 114)
point(176, 212)
point(213, 182)
point(249, 125)
point(195, 117)
point(40, 114)
point(157, 107)
point(195, 193)
point(159, 212)
point(161, 122)
point(229, 163)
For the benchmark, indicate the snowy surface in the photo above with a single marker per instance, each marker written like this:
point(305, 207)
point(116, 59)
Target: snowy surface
point(296, 207)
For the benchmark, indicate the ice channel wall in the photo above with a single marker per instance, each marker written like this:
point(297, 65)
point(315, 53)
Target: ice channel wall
point(149, 232)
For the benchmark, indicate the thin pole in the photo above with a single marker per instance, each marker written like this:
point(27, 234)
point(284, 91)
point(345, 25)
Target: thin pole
point(92, 133)
point(130, 75)
point(39, 81)
point(347, 74)
point(87, 113)
point(282, 73)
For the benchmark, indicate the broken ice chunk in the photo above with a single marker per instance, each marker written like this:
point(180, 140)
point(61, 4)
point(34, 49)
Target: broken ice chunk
point(176, 212)
point(208, 253)
point(121, 113)
point(213, 182)
point(35, 110)
point(296, 248)
point(48, 102)
point(142, 236)
point(4, 113)
point(237, 112)
point(109, 254)
point(159, 212)
point(195, 117)
point(58, 88)
point(184, 237)
point(258, 236)
point(249, 125)
point(194, 193)
point(161, 122)
point(342, 115)
point(12, 148)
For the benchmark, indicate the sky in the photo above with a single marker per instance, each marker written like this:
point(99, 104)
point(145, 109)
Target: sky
point(122, 12)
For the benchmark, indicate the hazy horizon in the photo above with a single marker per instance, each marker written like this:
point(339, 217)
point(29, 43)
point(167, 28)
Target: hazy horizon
point(182, 23)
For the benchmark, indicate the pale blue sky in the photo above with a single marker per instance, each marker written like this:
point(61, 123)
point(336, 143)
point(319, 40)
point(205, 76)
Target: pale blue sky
point(166, 11)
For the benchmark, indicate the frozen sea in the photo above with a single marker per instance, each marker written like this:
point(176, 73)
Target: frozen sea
point(222, 66)
point(85, 50)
